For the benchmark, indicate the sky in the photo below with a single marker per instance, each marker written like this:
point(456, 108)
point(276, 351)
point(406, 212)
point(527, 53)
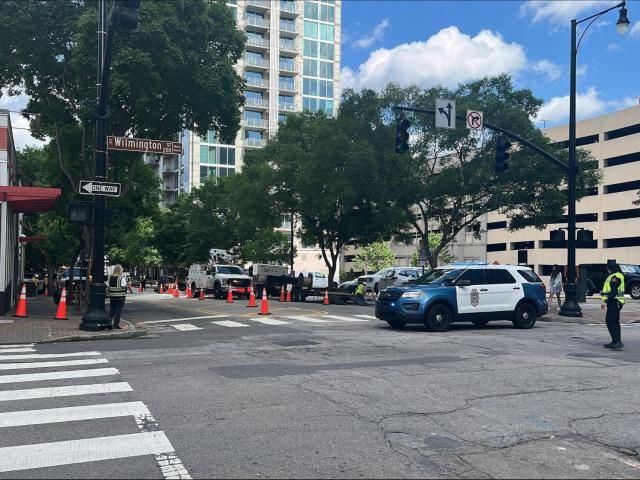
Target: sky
point(429, 42)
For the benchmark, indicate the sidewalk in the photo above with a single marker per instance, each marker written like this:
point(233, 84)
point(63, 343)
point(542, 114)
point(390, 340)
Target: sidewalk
point(591, 312)
point(40, 326)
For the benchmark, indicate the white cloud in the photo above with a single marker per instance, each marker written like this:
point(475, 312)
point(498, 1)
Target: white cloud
point(447, 58)
point(560, 12)
point(375, 35)
point(582, 70)
point(635, 30)
point(21, 137)
point(613, 46)
point(588, 104)
point(550, 69)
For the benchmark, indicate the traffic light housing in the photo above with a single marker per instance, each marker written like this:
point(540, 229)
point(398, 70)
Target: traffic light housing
point(502, 156)
point(402, 135)
point(556, 236)
point(584, 236)
point(129, 14)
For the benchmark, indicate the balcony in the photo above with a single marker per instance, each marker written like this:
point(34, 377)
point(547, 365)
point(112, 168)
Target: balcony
point(255, 103)
point(288, 27)
point(288, 46)
point(288, 67)
point(255, 142)
point(259, 63)
point(287, 87)
point(258, 23)
point(255, 123)
point(288, 8)
point(262, 84)
point(286, 107)
point(260, 4)
point(260, 43)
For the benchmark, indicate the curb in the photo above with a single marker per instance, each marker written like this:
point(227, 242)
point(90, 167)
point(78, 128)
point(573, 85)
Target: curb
point(134, 330)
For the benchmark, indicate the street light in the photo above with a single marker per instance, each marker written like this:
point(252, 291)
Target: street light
point(570, 307)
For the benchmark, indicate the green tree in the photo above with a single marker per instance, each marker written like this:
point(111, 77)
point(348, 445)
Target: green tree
point(448, 177)
point(435, 239)
point(374, 257)
point(268, 246)
point(138, 249)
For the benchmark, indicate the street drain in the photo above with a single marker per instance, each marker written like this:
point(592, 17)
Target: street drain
point(295, 343)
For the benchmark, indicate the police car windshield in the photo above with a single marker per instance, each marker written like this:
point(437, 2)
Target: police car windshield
point(231, 270)
point(439, 276)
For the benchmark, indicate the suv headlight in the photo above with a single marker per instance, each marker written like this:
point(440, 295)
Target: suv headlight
point(415, 294)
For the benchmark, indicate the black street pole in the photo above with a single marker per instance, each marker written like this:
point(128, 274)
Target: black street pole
point(570, 307)
point(292, 254)
point(96, 318)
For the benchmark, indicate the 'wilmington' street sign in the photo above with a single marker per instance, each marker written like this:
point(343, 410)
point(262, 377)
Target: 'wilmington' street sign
point(144, 145)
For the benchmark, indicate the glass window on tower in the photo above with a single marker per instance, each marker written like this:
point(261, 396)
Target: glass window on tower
point(311, 48)
point(327, 13)
point(282, 118)
point(310, 68)
point(311, 10)
point(326, 51)
point(252, 135)
point(310, 29)
point(326, 70)
point(253, 96)
point(326, 32)
point(286, 82)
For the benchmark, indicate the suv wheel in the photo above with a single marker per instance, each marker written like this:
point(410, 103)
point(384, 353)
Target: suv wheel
point(396, 324)
point(525, 316)
point(634, 291)
point(479, 323)
point(439, 317)
point(217, 291)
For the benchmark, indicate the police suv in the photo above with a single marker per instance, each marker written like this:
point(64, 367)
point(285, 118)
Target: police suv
point(475, 293)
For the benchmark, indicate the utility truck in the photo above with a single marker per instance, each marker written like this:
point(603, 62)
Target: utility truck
point(219, 275)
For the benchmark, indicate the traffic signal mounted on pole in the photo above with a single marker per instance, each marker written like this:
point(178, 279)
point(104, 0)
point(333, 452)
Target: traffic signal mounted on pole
point(502, 156)
point(129, 14)
point(402, 135)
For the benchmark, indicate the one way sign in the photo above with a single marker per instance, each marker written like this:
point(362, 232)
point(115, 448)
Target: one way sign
point(89, 187)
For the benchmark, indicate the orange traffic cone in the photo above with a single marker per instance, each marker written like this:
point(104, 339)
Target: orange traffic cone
point(282, 298)
point(21, 309)
point(170, 290)
point(61, 314)
point(264, 304)
point(160, 290)
point(189, 293)
point(252, 298)
point(288, 295)
point(140, 288)
point(176, 293)
point(326, 298)
point(229, 294)
point(201, 297)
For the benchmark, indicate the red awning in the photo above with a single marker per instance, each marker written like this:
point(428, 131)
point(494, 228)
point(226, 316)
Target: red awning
point(35, 238)
point(30, 199)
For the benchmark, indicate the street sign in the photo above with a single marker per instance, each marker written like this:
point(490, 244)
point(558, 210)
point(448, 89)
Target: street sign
point(474, 120)
point(144, 145)
point(89, 187)
point(445, 113)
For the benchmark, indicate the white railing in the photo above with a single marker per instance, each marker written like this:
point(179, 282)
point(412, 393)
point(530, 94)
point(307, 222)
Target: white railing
point(289, 87)
point(257, 62)
point(256, 103)
point(259, 3)
point(257, 83)
point(257, 22)
point(287, 67)
point(289, 7)
point(288, 46)
point(287, 107)
point(288, 27)
point(255, 142)
point(256, 123)
point(257, 42)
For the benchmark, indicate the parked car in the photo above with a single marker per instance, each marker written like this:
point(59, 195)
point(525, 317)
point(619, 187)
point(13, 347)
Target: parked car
point(349, 286)
point(597, 273)
point(372, 280)
point(398, 276)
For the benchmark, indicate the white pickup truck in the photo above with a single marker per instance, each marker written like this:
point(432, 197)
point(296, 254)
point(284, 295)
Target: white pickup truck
point(217, 279)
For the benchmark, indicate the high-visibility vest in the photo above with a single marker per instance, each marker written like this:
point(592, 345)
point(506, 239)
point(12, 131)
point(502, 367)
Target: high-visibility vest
point(116, 290)
point(606, 289)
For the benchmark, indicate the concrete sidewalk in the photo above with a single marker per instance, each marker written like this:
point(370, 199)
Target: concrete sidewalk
point(592, 313)
point(40, 326)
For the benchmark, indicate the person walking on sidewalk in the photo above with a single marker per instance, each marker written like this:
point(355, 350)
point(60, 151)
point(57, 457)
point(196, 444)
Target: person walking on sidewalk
point(613, 297)
point(117, 295)
point(555, 284)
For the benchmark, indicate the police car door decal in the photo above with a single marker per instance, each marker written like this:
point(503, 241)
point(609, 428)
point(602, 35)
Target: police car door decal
point(475, 297)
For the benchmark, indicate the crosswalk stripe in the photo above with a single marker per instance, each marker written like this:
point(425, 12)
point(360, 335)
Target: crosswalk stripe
point(68, 391)
point(230, 323)
point(303, 318)
point(68, 452)
point(17, 350)
point(37, 377)
point(48, 355)
point(63, 363)
point(71, 414)
point(346, 319)
point(16, 346)
point(185, 327)
point(366, 316)
point(269, 321)
point(169, 320)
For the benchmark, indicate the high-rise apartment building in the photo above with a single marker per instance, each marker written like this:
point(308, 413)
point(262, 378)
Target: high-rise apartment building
point(291, 63)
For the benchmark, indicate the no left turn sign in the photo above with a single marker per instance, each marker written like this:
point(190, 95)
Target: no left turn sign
point(474, 120)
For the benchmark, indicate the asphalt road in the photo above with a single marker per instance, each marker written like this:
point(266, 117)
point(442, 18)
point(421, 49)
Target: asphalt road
point(343, 397)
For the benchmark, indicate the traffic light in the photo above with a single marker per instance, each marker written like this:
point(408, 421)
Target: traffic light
point(129, 14)
point(502, 156)
point(584, 236)
point(402, 135)
point(556, 236)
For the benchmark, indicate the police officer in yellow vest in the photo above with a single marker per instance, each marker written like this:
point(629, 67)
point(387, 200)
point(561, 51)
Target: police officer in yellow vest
point(117, 295)
point(613, 297)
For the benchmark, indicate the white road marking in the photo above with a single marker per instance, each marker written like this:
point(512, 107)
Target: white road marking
point(17, 346)
point(71, 414)
point(17, 350)
point(6, 321)
point(68, 391)
point(230, 323)
point(269, 321)
point(37, 377)
point(185, 327)
point(63, 363)
point(346, 319)
point(303, 318)
point(365, 316)
point(68, 452)
point(48, 355)
point(183, 319)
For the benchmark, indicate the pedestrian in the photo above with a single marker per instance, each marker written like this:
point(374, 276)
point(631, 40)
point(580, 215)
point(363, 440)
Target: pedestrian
point(117, 295)
point(143, 283)
point(613, 298)
point(555, 284)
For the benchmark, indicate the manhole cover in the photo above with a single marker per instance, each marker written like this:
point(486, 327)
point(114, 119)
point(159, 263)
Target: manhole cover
point(295, 343)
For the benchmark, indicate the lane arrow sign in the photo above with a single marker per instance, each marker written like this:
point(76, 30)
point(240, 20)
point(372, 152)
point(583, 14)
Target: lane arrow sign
point(445, 113)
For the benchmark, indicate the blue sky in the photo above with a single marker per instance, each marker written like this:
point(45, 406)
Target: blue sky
point(447, 42)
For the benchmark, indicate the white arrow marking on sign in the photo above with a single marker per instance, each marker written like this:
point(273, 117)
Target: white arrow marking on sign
point(88, 187)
